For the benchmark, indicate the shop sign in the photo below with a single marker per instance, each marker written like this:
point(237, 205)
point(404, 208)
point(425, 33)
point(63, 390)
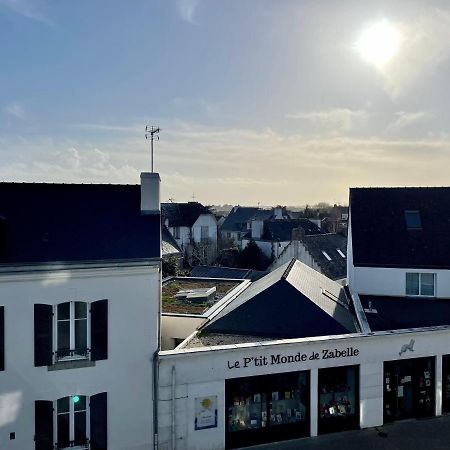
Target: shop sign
point(206, 412)
point(280, 359)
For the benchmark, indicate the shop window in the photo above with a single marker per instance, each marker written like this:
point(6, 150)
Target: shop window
point(420, 284)
point(408, 389)
point(76, 422)
point(267, 408)
point(446, 384)
point(338, 399)
point(70, 331)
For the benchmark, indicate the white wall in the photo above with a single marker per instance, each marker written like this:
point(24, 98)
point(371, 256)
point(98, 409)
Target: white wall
point(202, 372)
point(267, 246)
point(392, 282)
point(133, 304)
point(296, 250)
point(205, 220)
point(177, 326)
point(184, 234)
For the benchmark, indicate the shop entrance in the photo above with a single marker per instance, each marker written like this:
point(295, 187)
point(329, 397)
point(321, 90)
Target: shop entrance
point(338, 399)
point(267, 408)
point(409, 389)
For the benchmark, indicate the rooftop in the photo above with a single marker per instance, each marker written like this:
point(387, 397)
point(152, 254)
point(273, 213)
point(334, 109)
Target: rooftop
point(182, 214)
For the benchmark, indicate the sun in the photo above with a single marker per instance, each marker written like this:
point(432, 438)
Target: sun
point(379, 43)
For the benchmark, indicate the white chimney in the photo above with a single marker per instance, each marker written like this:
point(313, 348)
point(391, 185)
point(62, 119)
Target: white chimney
point(278, 212)
point(257, 228)
point(150, 203)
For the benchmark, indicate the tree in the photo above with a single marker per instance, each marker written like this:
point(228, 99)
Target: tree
point(251, 257)
point(170, 267)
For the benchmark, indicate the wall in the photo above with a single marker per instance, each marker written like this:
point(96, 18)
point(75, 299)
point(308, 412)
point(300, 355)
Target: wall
point(389, 281)
point(296, 250)
point(133, 305)
point(267, 246)
point(205, 220)
point(178, 326)
point(202, 372)
point(184, 233)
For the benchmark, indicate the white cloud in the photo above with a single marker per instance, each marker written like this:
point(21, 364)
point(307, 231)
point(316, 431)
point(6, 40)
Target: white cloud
point(32, 9)
point(407, 119)
point(187, 9)
point(15, 110)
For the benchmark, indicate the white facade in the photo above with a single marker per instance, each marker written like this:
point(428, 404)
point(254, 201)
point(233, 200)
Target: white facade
point(269, 248)
point(195, 373)
point(127, 373)
point(295, 250)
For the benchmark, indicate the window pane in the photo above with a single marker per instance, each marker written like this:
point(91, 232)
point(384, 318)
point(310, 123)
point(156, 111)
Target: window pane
point(63, 335)
point(63, 430)
point(81, 334)
point(80, 405)
point(80, 428)
point(412, 284)
point(413, 221)
point(80, 310)
point(427, 284)
point(64, 311)
point(63, 405)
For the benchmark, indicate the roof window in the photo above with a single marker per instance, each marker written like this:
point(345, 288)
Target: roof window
point(340, 252)
point(326, 255)
point(413, 221)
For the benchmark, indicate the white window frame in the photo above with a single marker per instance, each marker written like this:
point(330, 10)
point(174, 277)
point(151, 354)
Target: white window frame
point(72, 422)
point(72, 321)
point(420, 284)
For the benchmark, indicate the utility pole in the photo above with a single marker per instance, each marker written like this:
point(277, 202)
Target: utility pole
point(150, 132)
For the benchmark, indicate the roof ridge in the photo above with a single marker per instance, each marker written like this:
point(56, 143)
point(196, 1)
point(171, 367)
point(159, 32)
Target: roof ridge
point(288, 268)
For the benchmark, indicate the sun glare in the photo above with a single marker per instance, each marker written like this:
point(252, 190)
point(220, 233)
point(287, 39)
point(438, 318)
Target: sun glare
point(379, 43)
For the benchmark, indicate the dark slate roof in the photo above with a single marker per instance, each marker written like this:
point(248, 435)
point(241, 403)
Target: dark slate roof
point(237, 218)
point(293, 301)
point(396, 313)
point(75, 222)
point(329, 243)
point(182, 214)
point(220, 272)
point(379, 233)
point(281, 230)
point(169, 245)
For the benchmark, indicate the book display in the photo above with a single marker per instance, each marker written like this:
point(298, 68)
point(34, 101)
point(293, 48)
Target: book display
point(338, 399)
point(267, 408)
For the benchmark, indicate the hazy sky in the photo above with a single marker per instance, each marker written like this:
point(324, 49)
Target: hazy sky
point(259, 100)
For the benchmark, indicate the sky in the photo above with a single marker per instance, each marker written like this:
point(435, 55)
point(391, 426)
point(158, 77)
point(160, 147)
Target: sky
point(258, 101)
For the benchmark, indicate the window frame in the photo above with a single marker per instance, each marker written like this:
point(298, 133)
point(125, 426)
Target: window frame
point(420, 294)
point(72, 413)
point(72, 321)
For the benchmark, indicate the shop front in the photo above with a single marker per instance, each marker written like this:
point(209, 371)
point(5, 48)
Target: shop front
point(267, 408)
point(338, 390)
point(409, 389)
point(446, 384)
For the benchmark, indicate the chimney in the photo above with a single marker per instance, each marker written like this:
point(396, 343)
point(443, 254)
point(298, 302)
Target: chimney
point(150, 203)
point(257, 227)
point(278, 212)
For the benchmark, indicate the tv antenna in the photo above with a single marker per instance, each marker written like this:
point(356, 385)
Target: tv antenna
point(150, 132)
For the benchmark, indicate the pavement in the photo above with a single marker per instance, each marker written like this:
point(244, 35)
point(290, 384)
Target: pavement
point(413, 434)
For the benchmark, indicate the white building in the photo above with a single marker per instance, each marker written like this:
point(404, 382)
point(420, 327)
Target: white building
point(79, 306)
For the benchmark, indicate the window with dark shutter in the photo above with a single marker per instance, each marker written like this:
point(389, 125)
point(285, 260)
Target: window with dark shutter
point(2, 338)
point(99, 330)
point(43, 335)
point(98, 421)
point(43, 424)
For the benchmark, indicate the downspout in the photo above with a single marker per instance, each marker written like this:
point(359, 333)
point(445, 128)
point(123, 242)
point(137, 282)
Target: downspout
point(173, 409)
point(156, 365)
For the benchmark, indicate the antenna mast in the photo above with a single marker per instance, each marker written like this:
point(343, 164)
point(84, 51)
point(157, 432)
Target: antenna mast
point(150, 132)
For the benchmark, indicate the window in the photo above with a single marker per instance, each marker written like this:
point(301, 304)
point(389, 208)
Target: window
point(176, 232)
point(70, 331)
point(420, 284)
point(326, 255)
point(76, 422)
point(413, 221)
point(340, 253)
point(204, 233)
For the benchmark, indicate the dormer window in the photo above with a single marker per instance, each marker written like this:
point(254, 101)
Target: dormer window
point(422, 284)
point(413, 221)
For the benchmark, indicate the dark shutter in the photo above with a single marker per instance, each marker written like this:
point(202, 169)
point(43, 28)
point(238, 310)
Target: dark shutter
point(43, 335)
point(43, 424)
point(99, 330)
point(99, 421)
point(2, 338)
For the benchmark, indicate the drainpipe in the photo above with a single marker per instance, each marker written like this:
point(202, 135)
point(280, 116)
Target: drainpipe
point(156, 365)
point(173, 408)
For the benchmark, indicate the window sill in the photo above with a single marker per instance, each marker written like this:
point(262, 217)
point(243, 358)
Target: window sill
point(73, 364)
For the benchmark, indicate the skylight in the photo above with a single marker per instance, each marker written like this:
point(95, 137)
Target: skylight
point(413, 221)
point(326, 255)
point(340, 252)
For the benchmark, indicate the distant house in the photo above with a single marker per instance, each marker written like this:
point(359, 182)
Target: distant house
point(325, 253)
point(236, 224)
point(194, 228)
point(273, 235)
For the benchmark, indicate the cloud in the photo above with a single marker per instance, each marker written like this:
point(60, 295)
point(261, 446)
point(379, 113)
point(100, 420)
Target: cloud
point(15, 110)
point(31, 9)
point(425, 45)
point(187, 9)
point(407, 119)
point(332, 120)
